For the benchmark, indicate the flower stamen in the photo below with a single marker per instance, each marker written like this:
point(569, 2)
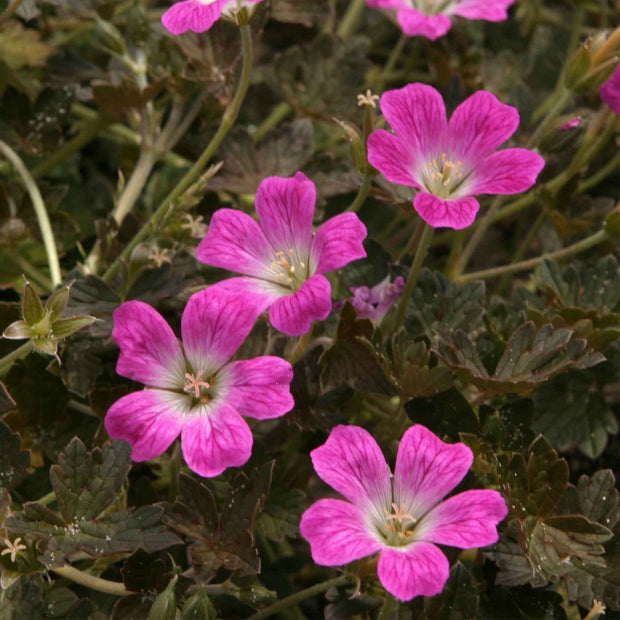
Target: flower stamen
point(13, 548)
point(195, 383)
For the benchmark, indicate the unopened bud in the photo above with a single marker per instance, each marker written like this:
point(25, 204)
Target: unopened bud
point(165, 605)
point(57, 302)
point(198, 607)
point(578, 66)
point(32, 308)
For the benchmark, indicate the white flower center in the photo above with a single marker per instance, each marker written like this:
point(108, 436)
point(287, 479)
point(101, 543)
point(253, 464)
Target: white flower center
point(444, 177)
point(431, 7)
point(397, 527)
point(289, 270)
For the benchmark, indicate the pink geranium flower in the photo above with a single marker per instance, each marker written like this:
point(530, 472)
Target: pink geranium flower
point(431, 18)
point(402, 521)
point(450, 162)
point(192, 389)
point(610, 92)
point(200, 15)
point(374, 303)
point(284, 261)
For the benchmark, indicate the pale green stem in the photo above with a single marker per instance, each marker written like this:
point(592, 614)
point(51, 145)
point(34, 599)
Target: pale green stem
point(525, 265)
point(83, 137)
point(48, 498)
point(7, 361)
point(563, 97)
point(301, 347)
point(228, 120)
point(362, 194)
point(414, 241)
point(40, 211)
point(351, 18)
point(392, 60)
point(90, 581)
point(301, 596)
point(414, 272)
point(386, 610)
point(279, 113)
point(599, 176)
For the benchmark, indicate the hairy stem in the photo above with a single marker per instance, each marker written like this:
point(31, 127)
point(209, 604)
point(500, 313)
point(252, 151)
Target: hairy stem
point(90, 581)
point(301, 596)
point(362, 194)
point(386, 610)
point(414, 272)
point(7, 361)
point(279, 113)
point(40, 279)
point(39, 208)
point(351, 18)
point(228, 120)
point(525, 265)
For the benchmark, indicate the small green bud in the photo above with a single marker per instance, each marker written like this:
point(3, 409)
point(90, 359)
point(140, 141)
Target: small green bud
point(65, 327)
point(48, 346)
point(198, 607)
point(578, 66)
point(165, 605)
point(32, 308)
point(43, 328)
point(18, 331)
point(256, 595)
point(57, 302)
point(111, 36)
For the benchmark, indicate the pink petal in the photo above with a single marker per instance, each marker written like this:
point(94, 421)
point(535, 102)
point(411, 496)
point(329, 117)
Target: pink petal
point(437, 212)
point(258, 388)
point(352, 463)
point(427, 469)
point(215, 438)
point(337, 242)
point(192, 15)
point(509, 171)
point(389, 154)
point(293, 314)
point(337, 533)
point(415, 23)
point(263, 292)
point(215, 322)
point(387, 4)
point(489, 10)
point(150, 420)
point(479, 125)
point(610, 92)
point(286, 209)
point(417, 114)
point(466, 520)
point(234, 241)
point(420, 569)
point(150, 352)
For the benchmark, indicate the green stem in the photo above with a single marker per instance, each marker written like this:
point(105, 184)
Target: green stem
point(228, 120)
point(413, 242)
point(279, 113)
point(599, 176)
point(34, 274)
point(88, 132)
point(7, 361)
point(392, 60)
point(301, 347)
point(362, 194)
point(90, 581)
point(523, 248)
point(580, 246)
point(414, 272)
point(351, 18)
point(48, 498)
point(301, 596)
point(386, 610)
point(40, 211)
point(563, 97)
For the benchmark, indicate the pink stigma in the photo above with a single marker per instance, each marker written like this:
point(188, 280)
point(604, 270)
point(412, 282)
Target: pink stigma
point(194, 383)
